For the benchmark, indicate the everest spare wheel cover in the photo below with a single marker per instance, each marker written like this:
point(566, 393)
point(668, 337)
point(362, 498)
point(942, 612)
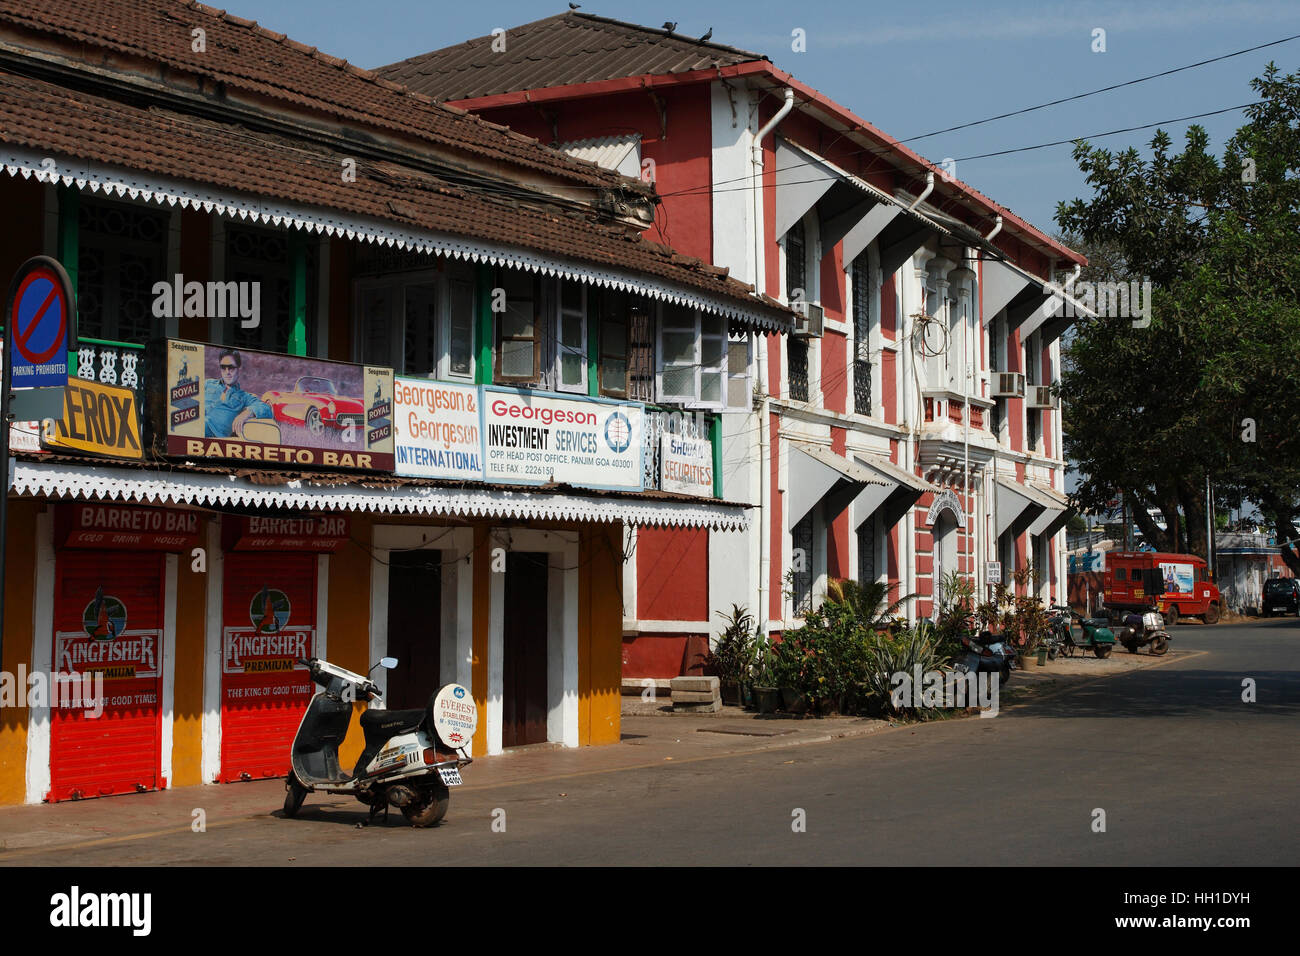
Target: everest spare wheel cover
point(454, 715)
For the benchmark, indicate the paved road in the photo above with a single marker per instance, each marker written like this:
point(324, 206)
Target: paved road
point(1186, 772)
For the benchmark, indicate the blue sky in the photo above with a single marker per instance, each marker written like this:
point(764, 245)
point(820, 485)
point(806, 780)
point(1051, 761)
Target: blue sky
point(912, 69)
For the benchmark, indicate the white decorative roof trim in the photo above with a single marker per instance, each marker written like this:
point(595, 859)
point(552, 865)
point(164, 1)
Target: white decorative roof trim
point(164, 191)
point(85, 482)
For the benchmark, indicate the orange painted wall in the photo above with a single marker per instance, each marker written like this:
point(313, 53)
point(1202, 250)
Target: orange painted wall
point(482, 610)
point(348, 606)
point(600, 600)
point(20, 597)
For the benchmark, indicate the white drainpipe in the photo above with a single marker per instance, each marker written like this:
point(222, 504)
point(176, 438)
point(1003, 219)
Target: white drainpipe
point(762, 612)
point(929, 188)
point(997, 227)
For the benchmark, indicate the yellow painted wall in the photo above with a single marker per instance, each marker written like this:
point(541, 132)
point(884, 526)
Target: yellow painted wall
point(20, 598)
point(349, 621)
point(482, 611)
point(187, 710)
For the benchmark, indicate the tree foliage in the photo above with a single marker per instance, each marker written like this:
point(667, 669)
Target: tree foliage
point(1152, 412)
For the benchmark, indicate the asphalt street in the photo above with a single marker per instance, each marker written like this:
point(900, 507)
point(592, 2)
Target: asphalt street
point(1186, 772)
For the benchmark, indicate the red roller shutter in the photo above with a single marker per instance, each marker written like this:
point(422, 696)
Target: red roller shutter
point(269, 620)
point(108, 615)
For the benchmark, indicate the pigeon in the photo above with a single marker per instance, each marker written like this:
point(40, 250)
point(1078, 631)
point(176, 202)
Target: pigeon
point(707, 35)
point(574, 6)
point(669, 25)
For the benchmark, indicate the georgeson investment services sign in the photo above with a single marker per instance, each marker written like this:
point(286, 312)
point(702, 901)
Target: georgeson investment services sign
point(532, 438)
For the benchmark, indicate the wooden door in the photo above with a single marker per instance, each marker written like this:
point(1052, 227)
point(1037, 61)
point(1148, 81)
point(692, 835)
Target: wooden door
point(414, 627)
point(524, 650)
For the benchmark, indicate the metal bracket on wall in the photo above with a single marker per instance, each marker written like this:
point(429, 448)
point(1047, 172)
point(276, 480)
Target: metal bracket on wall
point(663, 113)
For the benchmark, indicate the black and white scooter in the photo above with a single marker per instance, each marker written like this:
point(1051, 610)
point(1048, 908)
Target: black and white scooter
point(411, 759)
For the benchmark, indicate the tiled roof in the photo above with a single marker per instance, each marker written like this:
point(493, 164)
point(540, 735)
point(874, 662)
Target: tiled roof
point(244, 57)
point(41, 116)
point(557, 51)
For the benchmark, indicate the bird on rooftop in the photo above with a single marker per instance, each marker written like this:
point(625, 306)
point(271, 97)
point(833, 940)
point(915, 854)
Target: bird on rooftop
point(707, 35)
point(670, 26)
point(574, 6)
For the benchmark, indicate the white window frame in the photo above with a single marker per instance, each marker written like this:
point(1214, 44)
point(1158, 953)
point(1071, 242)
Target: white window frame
point(720, 369)
point(396, 285)
point(560, 314)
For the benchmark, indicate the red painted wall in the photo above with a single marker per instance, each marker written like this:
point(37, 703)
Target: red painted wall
point(837, 535)
point(682, 149)
point(664, 655)
point(672, 574)
point(1047, 415)
point(835, 382)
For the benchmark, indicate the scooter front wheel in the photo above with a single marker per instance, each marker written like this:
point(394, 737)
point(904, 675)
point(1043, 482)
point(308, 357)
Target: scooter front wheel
point(295, 794)
point(430, 808)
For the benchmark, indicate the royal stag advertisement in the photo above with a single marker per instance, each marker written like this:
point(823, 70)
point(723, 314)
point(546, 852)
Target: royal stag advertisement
point(532, 438)
point(271, 409)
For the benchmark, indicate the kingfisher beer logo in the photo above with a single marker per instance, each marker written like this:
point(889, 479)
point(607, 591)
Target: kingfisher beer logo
point(269, 611)
point(104, 617)
point(104, 646)
point(272, 645)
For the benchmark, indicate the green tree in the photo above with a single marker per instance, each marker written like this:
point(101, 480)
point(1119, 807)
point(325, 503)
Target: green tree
point(1155, 411)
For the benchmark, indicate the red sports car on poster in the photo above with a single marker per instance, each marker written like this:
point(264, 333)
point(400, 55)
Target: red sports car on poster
point(316, 404)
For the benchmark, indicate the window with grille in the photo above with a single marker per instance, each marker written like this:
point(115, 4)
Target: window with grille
point(796, 263)
point(862, 300)
point(796, 353)
point(867, 551)
point(122, 252)
point(801, 577)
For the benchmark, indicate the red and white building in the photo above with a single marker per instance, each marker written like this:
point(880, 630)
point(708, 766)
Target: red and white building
point(909, 430)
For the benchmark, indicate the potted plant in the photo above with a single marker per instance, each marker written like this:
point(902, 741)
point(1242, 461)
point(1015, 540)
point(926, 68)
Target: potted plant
point(732, 657)
point(791, 664)
point(767, 693)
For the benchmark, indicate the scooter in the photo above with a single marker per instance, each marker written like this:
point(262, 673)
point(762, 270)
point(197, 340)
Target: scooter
point(1144, 630)
point(986, 653)
point(410, 758)
point(1095, 635)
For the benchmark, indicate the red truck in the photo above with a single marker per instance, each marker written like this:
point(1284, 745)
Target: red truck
point(1178, 585)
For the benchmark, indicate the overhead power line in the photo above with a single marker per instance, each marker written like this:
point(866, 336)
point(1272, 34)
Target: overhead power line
point(1104, 89)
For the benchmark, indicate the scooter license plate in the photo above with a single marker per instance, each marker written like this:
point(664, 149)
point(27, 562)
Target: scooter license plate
point(450, 776)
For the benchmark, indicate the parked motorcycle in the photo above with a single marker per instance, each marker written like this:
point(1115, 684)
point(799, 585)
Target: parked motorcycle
point(411, 758)
point(1059, 634)
point(986, 653)
point(1144, 630)
point(1094, 635)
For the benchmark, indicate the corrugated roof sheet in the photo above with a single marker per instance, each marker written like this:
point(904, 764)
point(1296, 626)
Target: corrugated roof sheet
point(572, 47)
point(612, 152)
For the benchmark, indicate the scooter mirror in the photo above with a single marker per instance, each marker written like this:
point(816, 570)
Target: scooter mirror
point(388, 662)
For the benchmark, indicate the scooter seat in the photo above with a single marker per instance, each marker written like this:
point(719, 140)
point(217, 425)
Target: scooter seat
point(390, 723)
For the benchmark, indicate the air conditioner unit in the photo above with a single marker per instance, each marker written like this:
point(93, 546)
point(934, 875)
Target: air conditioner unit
point(809, 322)
point(1040, 396)
point(1008, 384)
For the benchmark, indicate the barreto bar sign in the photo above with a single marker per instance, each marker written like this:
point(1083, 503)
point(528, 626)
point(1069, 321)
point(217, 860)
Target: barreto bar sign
point(86, 525)
point(271, 409)
point(318, 533)
point(536, 438)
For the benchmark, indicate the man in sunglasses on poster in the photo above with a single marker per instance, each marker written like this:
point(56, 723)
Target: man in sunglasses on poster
point(229, 406)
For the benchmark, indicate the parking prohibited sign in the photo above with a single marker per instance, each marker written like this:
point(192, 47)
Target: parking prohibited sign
point(40, 321)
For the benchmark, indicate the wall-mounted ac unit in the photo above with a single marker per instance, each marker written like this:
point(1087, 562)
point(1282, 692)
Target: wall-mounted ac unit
point(809, 322)
point(1008, 384)
point(1040, 396)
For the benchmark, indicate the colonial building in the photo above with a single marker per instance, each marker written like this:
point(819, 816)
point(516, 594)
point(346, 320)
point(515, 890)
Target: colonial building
point(906, 430)
point(382, 369)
